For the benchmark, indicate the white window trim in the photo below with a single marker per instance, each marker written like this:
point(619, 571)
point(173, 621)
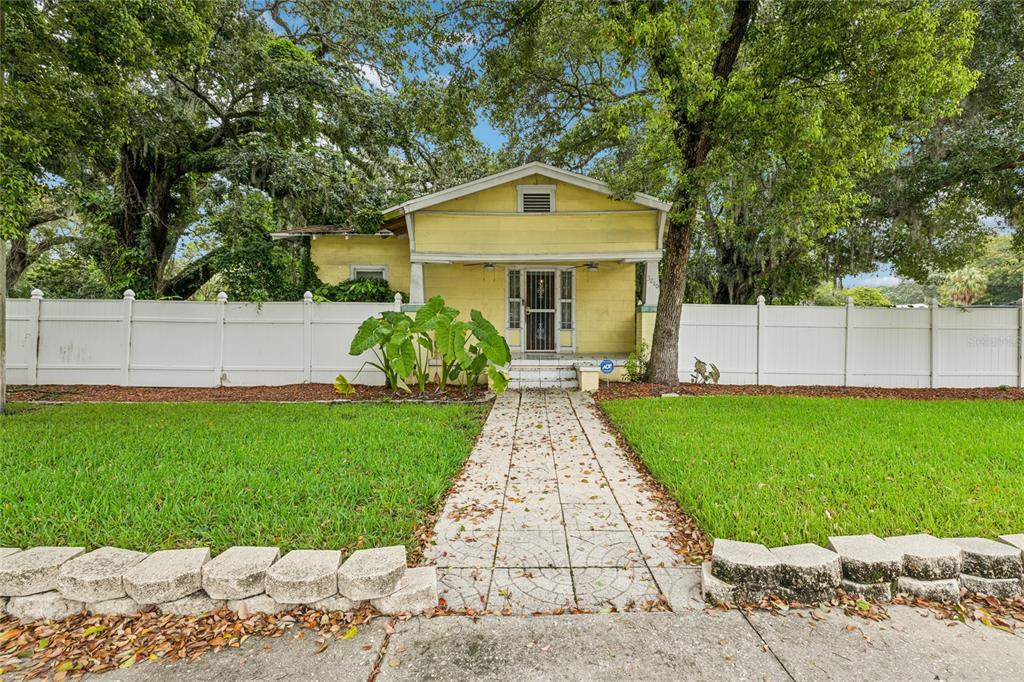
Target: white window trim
point(534, 189)
point(363, 266)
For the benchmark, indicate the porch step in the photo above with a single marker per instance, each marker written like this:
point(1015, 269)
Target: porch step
point(541, 374)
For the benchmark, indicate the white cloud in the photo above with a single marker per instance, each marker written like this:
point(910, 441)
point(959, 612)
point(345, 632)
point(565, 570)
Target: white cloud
point(372, 77)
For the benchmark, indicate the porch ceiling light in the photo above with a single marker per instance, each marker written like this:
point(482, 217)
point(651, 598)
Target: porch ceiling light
point(592, 266)
point(488, 267)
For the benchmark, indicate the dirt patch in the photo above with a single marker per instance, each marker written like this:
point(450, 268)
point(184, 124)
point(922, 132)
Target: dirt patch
point(235, 394)
point(613, 391)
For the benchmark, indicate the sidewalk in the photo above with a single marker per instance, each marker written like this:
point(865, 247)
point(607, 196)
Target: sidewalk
point(690, 645)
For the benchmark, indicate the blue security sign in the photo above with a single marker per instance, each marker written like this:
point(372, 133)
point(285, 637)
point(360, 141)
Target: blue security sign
point(606, 366)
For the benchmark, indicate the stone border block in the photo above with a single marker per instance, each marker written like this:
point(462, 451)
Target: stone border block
point(336, 603)
point(195, 604)
point(996, 587)
point(372, 573)
point(926, 557)
point(304, 576)
point(98, 575)
point(34, 570)
point(879, 591)
point(167, 575)
point(415, 593)
point(867, 559)
point(1016, 540)
point(239, 572)
point(260, 603)
point(744, 563)
point(947, 591)
point(811, 573)
point(715, 591)
point(989, 559)
point(49, 605)
point(122, 606)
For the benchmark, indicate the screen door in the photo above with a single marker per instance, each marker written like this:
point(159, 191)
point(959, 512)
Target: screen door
point(540, 310)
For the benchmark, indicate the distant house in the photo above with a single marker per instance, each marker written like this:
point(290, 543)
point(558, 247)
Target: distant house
point(548, 255)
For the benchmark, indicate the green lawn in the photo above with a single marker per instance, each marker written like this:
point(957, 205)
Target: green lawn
point(155, 476)
point(782, 470)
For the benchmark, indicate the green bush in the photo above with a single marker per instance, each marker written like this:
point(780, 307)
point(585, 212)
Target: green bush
point(359, 290)
point(862, 296)
point(636, 364)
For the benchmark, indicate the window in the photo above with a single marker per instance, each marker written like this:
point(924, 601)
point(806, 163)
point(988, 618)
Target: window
point(515, 302)
point(536, 198)
point(369, 272)
point(566, 298)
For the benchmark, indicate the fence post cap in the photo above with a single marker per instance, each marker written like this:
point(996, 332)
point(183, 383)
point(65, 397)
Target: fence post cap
point(129, 295)
point(222, 297)
point(308, 297)
point(398, 298)
point(37, 294)
point(760, 299)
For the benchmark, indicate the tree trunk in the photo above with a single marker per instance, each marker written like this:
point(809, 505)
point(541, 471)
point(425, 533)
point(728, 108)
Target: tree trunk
point(17, 261)
point(692, 136)
point(663, 367)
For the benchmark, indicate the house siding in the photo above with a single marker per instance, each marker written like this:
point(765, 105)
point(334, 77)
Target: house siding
point(335, 256)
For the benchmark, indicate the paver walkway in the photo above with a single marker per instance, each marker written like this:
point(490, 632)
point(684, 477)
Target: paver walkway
point(550, 514)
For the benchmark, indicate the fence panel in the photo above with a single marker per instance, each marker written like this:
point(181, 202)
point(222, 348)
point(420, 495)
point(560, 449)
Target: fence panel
point(174, 343)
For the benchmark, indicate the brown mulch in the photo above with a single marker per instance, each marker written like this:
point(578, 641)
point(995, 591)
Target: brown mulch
point(93, 644)
point(614, 391)
point(235, 394)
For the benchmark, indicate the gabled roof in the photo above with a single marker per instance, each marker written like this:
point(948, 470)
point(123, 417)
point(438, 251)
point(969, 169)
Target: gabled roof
point(534, 168)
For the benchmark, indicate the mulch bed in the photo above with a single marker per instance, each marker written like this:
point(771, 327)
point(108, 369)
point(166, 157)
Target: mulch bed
point(236, 394)
point(614, 391)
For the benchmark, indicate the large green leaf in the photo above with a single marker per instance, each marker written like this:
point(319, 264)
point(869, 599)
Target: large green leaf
point(402, 356)
point(491, 343)
point(499, 380)
point(366, 336)
point(426, 316)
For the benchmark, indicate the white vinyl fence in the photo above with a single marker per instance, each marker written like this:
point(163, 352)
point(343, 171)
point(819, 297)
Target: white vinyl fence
point(782, 345)
point(184, 343)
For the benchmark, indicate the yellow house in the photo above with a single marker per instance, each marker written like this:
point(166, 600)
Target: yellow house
point(545, 254)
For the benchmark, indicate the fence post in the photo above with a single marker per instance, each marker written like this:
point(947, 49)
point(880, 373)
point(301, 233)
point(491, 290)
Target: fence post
point(129, 301)
point(398, 302)
point(847, 369)
point(761, 313)
point(35, 311)
point(1020, 347)
point(934, 346)
point(222, 299)
point(307, 337)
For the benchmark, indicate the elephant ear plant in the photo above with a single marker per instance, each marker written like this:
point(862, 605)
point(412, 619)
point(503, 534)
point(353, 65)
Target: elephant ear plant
point(404, 348)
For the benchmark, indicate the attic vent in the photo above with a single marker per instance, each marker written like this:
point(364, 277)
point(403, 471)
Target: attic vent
point(536, 199)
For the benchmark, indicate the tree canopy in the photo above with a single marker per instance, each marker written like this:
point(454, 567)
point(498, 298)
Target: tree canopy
point(785, 107)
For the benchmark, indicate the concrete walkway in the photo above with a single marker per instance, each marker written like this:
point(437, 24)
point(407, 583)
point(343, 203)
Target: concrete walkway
point(550, 515)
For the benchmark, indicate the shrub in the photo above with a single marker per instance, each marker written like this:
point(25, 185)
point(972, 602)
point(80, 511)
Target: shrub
point(359, 290)
point(636, 364)
point(404, 347)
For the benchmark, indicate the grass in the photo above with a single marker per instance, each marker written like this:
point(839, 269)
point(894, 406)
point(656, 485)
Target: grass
point(784, 470)
point(153, 476)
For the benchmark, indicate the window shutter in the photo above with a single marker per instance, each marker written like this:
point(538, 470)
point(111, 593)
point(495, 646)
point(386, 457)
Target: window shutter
point(536, 202)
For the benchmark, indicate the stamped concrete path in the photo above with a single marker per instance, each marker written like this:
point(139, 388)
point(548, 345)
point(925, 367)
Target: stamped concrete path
point(550, 514)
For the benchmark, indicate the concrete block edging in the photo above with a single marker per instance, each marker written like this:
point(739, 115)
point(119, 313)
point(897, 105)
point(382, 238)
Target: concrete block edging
point(920, 565)
point(52, 583)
